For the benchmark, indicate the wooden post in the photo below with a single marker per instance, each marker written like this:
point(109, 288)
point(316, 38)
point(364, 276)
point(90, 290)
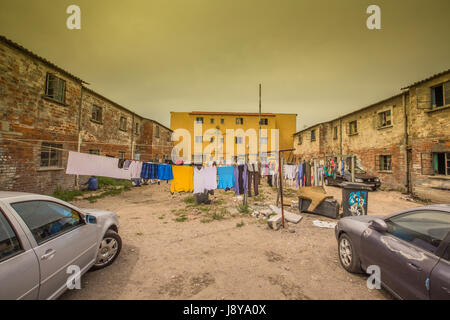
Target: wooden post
point(281, 187)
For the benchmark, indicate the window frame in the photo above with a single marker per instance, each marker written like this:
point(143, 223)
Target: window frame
point(199, 120)
point(222, 121)
point(59, 81)
point(19, 240)
point(58, 148)
point(350, 133)
point(236, 141)
point(382, 156)
point(264, 121)
point(122, 155)
point(94, 109)
point(313, 135)
point(125, 122)
point(57, 235)
point(446, 164)
point(239, 121)
point(379, 119)
point(157, 132)
point(300, 139)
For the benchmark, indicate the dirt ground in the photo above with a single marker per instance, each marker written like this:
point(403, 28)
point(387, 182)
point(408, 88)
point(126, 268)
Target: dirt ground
point(177, 250)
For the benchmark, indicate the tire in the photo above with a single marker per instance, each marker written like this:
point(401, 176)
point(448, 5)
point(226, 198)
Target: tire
point(108, 250)
point(348, 257)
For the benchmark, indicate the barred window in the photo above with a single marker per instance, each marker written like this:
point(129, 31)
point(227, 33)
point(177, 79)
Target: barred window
point(55, 87)
point(51, 155)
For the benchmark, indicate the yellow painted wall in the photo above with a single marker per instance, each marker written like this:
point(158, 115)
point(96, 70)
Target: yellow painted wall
point(286, 123)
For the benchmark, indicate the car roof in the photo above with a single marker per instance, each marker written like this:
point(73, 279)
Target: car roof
point(13, 194)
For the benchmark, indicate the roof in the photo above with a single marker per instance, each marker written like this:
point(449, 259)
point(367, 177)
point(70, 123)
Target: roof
point(233, 113)
point(35, 56)
point(310, 127)
point(427, 79)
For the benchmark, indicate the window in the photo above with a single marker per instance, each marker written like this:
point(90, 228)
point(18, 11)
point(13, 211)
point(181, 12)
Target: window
point(263, 140)
point(353, 127)
point(239, 121)
point(55, 87)
point(157, 132)
point(121, 155)
point(384, 119)
point(264, 121)
point(136, 129)
point(211, 139)
point(441, 163)
point(335, 133)
point(198, 139)
point(386, 163)
point(313, 135)
point(440, 95)
point(94, 151)
point(211, 120)
point(424, 229)
point(137, 156)
point(199, 120)
point(222, 121)
point(47, 219)
point(238, 140)
point(97, 114)
point(123, 124)
point(51, 155)
point(299, 139)
point(9, 243)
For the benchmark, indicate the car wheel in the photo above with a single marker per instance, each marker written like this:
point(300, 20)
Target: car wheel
point(347, 254)
point(108, 250)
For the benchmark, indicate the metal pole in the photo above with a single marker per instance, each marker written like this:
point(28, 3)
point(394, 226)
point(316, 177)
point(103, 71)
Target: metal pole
point(281, 187)
point(259, 122)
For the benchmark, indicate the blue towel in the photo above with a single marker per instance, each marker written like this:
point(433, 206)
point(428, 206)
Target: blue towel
point(165, 172)
point(226, 177)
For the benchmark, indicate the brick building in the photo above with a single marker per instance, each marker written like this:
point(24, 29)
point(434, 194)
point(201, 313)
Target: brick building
point(404, 139)
point(46, 111)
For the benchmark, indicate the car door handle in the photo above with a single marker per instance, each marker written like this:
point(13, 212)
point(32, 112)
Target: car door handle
point(412, 265)
point(48, 254)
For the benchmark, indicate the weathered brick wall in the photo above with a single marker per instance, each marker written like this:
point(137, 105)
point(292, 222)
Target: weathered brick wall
point(309, 149)
point(29, 117)
point(162, 145)
point(429, 131)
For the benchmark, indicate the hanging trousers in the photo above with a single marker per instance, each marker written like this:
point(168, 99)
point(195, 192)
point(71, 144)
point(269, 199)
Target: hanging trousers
point(253, 178)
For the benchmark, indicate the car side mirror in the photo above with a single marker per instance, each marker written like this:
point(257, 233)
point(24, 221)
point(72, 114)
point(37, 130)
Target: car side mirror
point(378, 225)
point(91, 219)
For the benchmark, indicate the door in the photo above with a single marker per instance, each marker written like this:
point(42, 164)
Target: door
point(19, 267)
point(440, 278)
point(406, 252)
point(62, 239)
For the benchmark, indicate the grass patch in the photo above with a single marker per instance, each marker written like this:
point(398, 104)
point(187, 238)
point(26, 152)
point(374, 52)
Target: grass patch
point(189, 199)
point(181, 219)
point(243, 209)
point(204, 209)
point(162, 217)
point(260, 197)
point(219, 202)
point(240, 224)
point(217, 216)
point(112, 192)
point(139, 234)
point(206, 220)
point(104, 182)
point(66, 195)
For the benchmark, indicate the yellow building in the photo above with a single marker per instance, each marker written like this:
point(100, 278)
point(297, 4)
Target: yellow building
point(238, 132)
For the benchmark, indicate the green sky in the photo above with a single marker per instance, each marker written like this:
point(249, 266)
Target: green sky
point(314, 58)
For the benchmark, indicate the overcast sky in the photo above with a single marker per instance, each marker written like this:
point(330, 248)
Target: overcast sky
point(313, 58)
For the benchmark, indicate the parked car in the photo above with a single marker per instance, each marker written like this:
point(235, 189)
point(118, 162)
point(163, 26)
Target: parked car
point(411, 248)
point(41, 237)
point(361, 176)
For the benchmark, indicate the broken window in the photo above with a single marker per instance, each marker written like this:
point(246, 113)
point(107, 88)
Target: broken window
point(313, 135)
point(386, 163)
point(440, 95)
point(384, 119)
point(353, 127)
point(51, 155)
point(55, 88)
point(239, 120)
point(441, 163)
point(123, 124)
point(97, 114)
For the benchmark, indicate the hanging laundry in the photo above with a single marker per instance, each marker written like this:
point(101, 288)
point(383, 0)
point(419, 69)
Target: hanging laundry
point(210, 178)
point(226, 177)
point(135, 169)
point(204, 179)
point(149, 170)
point(164, 172)
point(93, 165)
point(240, 178)
point(183, 179)
point(253, 178)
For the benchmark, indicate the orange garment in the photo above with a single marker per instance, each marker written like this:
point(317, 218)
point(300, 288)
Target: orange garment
point(183, 179)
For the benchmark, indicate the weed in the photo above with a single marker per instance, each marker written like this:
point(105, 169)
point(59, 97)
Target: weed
point(139, 234)
point(66, 195)
point(189, 199)
point(181, 219)
point(206, 220)
point(240, 224)
point(244, 209)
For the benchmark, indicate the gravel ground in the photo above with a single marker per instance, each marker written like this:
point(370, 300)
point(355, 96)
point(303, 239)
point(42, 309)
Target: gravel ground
point(177, 250)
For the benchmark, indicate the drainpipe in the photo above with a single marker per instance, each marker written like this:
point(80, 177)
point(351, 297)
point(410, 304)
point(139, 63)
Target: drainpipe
point(132, 137)
point(77, 177)
point(406, 138)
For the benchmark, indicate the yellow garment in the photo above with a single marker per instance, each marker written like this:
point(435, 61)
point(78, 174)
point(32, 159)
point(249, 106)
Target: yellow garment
point(183, 179)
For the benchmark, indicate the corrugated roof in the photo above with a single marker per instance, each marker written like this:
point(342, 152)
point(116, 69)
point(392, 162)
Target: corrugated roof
point(34, 55)
point(427, 79)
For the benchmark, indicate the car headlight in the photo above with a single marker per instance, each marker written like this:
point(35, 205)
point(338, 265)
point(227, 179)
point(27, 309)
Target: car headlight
point(377, 180)
point(359, 180)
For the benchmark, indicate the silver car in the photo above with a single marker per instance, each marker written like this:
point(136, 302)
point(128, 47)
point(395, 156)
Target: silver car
point(45, 241)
